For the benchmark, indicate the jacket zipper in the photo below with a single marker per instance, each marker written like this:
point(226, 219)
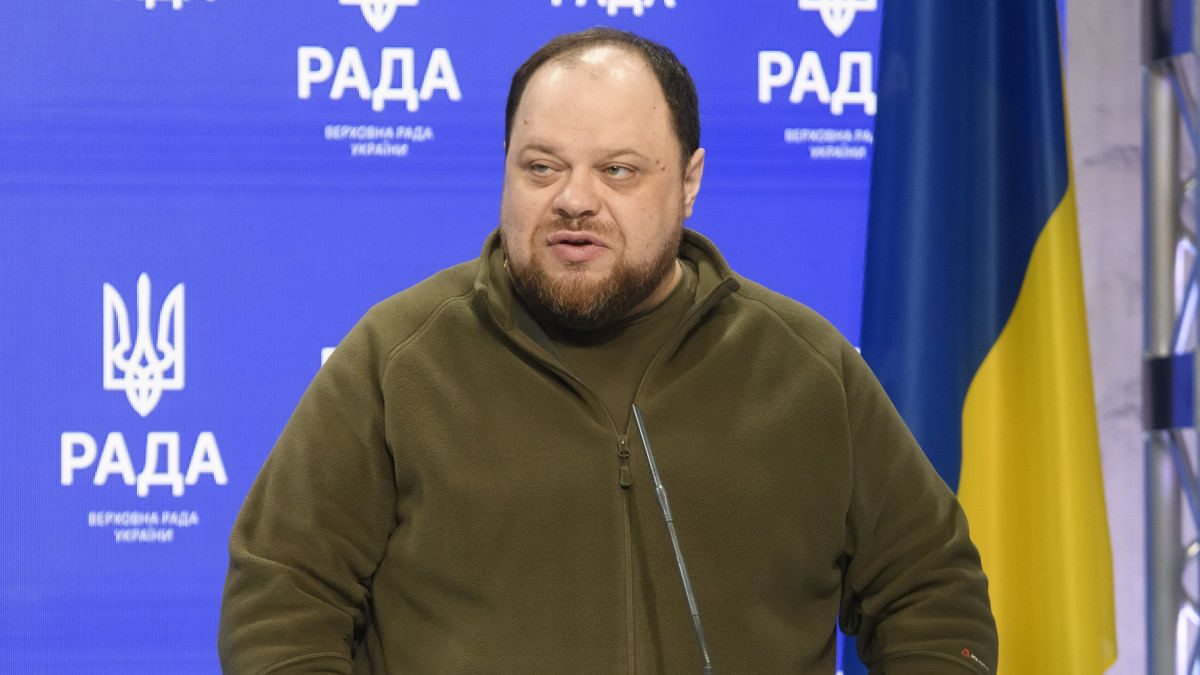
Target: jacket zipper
point(626, 481)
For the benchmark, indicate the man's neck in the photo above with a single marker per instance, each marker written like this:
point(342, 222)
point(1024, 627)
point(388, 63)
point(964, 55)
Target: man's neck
point(660, 294)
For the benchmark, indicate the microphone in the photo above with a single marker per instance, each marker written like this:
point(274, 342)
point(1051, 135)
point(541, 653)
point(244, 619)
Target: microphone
point(660, 492)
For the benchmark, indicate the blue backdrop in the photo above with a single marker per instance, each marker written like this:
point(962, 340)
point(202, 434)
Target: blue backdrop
point(227, 147)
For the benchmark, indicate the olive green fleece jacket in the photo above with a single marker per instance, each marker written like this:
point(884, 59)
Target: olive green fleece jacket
point(448, 498)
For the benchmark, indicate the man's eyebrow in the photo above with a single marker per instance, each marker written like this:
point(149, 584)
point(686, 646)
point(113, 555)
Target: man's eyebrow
point(619, 152)
point(604, 154)
point(538, 147)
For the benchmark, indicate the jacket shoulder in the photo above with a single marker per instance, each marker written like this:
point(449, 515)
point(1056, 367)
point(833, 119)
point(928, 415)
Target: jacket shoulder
point(808, 328)
point(424, 297)
point(396, 319)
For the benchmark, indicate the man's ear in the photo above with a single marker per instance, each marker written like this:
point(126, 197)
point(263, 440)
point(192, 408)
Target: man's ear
point(691, 181)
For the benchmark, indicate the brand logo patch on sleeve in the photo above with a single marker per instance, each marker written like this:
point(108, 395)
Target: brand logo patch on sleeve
point(967, 654)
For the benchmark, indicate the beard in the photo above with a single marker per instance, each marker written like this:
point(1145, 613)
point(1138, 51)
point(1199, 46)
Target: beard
point(575, 301)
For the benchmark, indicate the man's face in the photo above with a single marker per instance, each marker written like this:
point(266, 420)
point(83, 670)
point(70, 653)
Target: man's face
point(594, 194)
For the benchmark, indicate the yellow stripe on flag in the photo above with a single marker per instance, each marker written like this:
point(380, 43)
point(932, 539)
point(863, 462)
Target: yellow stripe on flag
point(1031, 478)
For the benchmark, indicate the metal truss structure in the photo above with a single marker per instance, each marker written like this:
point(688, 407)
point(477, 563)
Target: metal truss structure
point(1171, 293)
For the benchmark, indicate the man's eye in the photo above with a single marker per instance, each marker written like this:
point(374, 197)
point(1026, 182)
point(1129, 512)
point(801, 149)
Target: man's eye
point(540, 169)
point(617, 171)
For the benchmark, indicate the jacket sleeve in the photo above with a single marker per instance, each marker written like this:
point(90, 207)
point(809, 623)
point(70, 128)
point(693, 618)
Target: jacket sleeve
point(914, 592)
point(313, 528)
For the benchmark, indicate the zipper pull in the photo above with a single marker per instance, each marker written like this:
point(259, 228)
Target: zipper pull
point(626, 478)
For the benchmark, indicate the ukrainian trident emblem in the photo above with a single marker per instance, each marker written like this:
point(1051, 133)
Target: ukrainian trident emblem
point(148, 366)
point(838, 14)
point(379, 13)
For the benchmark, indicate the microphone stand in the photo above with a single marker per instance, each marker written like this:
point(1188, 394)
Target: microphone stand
point(660, 492)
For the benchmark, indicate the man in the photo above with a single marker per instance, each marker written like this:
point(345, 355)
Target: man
point(462, 489)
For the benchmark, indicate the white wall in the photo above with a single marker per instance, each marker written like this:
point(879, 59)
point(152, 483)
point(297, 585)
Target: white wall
point(1104, 84)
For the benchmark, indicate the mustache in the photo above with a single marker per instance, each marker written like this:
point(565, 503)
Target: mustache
point(582, 224)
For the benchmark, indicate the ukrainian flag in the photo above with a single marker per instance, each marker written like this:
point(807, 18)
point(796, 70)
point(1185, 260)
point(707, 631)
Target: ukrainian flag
point(973, 314)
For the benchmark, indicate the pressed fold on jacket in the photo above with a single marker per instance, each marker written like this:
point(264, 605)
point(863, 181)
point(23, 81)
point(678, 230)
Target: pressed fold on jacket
point(448, 498)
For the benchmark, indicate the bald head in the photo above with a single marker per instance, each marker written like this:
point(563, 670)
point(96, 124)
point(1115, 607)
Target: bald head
point(677, 86)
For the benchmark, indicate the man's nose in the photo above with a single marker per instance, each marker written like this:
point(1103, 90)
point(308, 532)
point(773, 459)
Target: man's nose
point(577, 196)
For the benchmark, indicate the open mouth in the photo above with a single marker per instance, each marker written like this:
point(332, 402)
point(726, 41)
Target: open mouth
point(575, 239)
point(576, 247)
